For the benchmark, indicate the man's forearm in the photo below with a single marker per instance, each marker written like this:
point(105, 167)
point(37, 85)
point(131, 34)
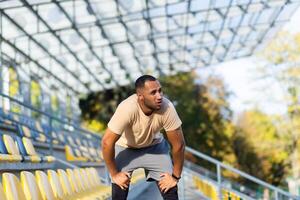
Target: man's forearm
point(109, 158)
point(178, 159)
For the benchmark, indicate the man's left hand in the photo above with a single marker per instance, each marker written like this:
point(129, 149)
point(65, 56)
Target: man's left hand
point(166, 182)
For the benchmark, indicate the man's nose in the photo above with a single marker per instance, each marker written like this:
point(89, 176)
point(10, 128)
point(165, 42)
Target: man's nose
point(159, 95)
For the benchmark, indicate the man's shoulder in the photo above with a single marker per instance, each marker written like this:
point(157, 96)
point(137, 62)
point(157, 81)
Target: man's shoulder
point(131, 100)
point(130, 103)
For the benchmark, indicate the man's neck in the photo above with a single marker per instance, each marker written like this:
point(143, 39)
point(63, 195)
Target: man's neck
point(146, 111)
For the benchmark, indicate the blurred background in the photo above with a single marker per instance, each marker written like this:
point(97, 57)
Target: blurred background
point(230, 67)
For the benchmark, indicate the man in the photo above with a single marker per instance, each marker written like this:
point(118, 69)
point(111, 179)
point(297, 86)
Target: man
point(133, 140)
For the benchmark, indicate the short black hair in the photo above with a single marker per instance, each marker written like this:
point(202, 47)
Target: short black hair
point(140, 82)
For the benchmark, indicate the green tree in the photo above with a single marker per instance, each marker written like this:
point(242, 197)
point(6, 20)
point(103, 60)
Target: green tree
point(205, 112)
point(260, 148)
point(282, 58)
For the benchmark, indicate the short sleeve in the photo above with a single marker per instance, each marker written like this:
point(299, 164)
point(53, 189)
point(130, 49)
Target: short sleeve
point(171, 119)
point(120, 119)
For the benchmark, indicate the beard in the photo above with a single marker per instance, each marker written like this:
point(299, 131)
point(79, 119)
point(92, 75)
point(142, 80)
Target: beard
point(151, 105)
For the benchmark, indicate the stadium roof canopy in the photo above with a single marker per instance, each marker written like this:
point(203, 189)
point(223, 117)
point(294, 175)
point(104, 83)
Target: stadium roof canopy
point(91, 45)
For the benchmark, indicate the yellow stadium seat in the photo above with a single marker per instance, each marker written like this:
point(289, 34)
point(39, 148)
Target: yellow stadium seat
point(55, 184)
point(95, 175)
point(41, 138)
point(71, 141)
point(12, 187)
point(26, 131)
point(70, 156)
point(65, 182)
point(44, 185)
point(2, 194)
point(12, 148)
point(38, 126)
point(30, 150)
point(78, 141)
point(74, 184)
point(54, 138)
point(90, 177)
point(30, 187)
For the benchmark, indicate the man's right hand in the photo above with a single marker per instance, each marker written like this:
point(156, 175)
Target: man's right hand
point(122, 179)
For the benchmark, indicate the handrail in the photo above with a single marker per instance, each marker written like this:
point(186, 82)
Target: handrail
point(63, 121)
point(243, 174)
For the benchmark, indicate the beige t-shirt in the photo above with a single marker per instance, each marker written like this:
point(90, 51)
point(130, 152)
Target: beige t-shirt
point(138, 130)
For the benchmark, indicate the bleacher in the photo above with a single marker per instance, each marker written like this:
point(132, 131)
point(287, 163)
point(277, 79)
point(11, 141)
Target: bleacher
point(38, 161)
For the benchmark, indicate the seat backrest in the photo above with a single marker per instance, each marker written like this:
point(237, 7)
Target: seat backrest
point(39, 126)
point(91, 177)
point(10, 145)
point(3, 149)
point(65, 182)
point(26, 131)
point(12, 187)
point(75, 187)
point(77, 152)
point(30, 186)
point(95, 175)
point(86, 181)
point(29, 146)
point(80, 180)
point(71, 141)
point(2, 194)
point(61, 138)
point(44, 185)
point(21, 146)
point(54, 135)
point(55, 184)
point(78, 141)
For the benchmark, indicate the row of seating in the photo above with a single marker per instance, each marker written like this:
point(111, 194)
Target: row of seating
point(79, 151)
point(209, 190)
point(70, 184)
point(33, 129)
point(84, 149)
point(16, 149)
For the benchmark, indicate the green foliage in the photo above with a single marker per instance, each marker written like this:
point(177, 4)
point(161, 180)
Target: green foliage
point(282, 58)
point(204, 111)
point(100, 106)
point(261, 150)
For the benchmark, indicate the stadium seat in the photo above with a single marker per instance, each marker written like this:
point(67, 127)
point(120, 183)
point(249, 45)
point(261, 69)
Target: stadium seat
point(4, 155)
point(54, 138)
point(65, 182)
point(30, 187)
point(56, 184)
point(12, 187)
point(25, 155)
point(25, 131)
point(44, 185)
point(39, 127)
point(71, 141)
point(61, 138)
point(74, 184)
point(12, 148)
point(30, 150)
point(70, 155)
point(2, 194)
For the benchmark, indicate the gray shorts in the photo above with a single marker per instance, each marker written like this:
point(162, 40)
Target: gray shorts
point(154, 160)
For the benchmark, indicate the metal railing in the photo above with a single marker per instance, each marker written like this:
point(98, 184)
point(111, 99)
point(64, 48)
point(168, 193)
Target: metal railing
point(50, 116)
point(221, 166)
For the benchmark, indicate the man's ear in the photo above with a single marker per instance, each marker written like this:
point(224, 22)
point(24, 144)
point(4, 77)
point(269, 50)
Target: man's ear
point(139, 94)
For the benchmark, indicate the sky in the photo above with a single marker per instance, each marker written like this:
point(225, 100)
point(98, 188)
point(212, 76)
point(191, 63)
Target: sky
point(241, 78)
